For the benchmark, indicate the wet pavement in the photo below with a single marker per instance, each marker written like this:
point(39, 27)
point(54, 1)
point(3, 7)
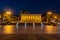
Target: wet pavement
point(30, 37)
point(12, 32)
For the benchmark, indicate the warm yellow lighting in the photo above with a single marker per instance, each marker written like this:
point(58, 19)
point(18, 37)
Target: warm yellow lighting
point(0, 16)
point(31, 18)
point(50, 29)
point(8, 12)
point(8, 29)
point(55, 16)
point(49, 12)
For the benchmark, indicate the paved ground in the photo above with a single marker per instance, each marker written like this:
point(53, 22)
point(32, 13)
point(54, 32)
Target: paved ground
point(30, 37)
point(31, 34)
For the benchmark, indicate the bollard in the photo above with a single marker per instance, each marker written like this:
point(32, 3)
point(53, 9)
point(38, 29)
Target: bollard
point(17, 25)
point(33, 26)
point(25, 25)
point(42, 26)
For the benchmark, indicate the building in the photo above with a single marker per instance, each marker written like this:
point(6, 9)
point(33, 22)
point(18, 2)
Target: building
point(7, 15)
point(31, 18)
point(1, 15)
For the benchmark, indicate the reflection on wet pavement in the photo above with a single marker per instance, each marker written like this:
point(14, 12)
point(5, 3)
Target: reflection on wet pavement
point(8, 29)
point(50, 29)
point(12, 29)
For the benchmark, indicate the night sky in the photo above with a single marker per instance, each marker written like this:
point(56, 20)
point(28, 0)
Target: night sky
point(31, 5)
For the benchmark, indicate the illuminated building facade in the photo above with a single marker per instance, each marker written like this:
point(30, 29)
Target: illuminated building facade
point(26, 17)
point(31, 18)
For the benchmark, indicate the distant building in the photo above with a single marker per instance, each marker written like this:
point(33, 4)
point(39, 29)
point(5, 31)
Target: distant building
point(44, 18)
point(31, 18)
point(1, 15)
